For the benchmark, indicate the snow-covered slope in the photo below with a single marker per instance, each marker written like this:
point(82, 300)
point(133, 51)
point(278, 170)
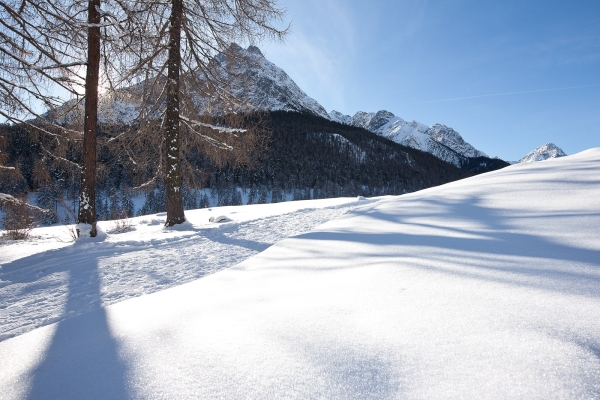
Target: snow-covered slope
point(439, 140)
point(126, 274)
point(255, 83)
point(549, 150)
point(482, 288)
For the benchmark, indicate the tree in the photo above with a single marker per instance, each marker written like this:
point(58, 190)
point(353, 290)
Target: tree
point(45, 45)
point(87, 194)
point(32, 61)
point(196, 30)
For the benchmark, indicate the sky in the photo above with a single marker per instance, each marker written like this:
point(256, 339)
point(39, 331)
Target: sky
point(508, 75)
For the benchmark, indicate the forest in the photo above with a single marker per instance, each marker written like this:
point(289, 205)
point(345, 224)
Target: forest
point(304, 157)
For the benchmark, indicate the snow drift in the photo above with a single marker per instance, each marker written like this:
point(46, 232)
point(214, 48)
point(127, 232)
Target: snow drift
point(482, 288)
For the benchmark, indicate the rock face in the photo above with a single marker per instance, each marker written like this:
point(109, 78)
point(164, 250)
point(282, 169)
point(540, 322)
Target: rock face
point(439, 140)
point(261, 85)
point(549, 150)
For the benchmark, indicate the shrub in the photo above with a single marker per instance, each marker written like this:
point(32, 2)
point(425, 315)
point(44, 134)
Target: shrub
point(18, 221)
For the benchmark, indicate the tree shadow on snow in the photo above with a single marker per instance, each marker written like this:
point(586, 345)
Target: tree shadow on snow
point(488, 253)
point(82, 360)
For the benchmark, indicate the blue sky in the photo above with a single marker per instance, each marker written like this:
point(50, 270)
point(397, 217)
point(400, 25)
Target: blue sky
point(453, 62)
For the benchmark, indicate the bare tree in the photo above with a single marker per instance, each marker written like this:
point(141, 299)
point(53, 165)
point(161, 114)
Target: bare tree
point(173, 58)
point(165, 50)
point(44, 48)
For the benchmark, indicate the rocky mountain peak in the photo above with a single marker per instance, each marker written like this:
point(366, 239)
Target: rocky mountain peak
point(253, 83)
point(544, 152)
point(255, 50)
point(439, 140)
point(339, 117)
point(380, 119)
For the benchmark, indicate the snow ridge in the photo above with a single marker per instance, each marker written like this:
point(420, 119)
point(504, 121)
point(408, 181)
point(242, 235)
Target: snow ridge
point(439, 140)
point(549, 150)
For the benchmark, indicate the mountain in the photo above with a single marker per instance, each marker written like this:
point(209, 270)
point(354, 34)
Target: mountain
point(549, 150)
point(259, 85)
point(256, 84)
point(441, 141)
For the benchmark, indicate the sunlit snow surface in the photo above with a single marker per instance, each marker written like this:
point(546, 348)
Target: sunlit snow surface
point(49, 278)
point(484, 288)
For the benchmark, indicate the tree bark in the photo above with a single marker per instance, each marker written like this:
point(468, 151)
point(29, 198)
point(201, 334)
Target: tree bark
point(87, 196)
point(174, 201)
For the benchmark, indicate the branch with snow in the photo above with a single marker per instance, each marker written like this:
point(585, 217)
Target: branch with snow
point(8, 199)
point(143, 185)
point(212, 141)
point(214, 127)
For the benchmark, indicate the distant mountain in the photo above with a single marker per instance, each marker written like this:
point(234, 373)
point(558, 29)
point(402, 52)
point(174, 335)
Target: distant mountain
point(549, 150)
point(439, 140)
point(259, 85)
point(263, 86)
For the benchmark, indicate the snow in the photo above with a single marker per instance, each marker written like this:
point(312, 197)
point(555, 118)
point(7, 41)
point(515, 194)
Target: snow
point(544, 152)
point(111, 268)
point(441, 141)
point(219, 219)
point(481, 288)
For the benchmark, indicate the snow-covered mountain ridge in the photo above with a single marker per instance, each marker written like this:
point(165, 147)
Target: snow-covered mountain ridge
point(257, 84)
point(549, 150)
point(439, 140)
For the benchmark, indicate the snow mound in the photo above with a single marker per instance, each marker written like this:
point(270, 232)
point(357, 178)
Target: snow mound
point(219, 219)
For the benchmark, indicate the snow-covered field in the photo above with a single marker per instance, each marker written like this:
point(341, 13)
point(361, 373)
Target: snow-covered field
point(487, 287)
point(49, 278)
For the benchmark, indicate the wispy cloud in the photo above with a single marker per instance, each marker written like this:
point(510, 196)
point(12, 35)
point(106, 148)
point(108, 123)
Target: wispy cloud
point(319, 50)
point(507, 94)
point(312, 66)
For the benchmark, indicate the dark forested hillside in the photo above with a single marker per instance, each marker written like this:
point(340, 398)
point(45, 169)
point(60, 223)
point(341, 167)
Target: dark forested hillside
point(307, 157)
point(309, 152)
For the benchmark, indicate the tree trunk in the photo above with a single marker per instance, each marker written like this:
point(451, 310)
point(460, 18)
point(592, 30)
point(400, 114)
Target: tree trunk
point(87, 196)
point(175, 213)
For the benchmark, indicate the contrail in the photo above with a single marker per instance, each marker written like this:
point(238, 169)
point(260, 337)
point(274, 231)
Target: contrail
point(507, 93)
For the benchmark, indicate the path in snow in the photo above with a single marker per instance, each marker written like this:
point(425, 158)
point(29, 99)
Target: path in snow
point(75, 278)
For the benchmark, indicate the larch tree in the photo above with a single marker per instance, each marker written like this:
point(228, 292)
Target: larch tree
point(172, 60)
point(55, 46)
